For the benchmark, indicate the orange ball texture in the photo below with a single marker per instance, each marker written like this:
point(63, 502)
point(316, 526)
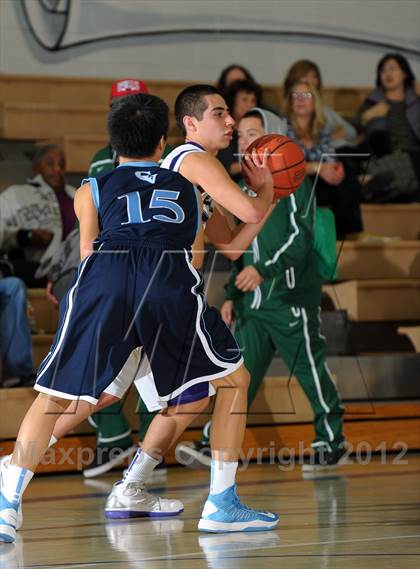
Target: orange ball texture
point(285, 161)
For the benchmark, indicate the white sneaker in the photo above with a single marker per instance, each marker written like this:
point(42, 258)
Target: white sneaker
point(131, 500)
point(4, 463)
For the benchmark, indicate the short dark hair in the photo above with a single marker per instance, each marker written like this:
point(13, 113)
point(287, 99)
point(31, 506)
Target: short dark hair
point(242, 86)
point(404, 65)
point(136, 123)
point(221, 82)
point(191, 103)
point(252, 114)
point(42, 151)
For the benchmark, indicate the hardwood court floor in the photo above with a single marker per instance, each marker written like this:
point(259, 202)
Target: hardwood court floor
point(363, 516)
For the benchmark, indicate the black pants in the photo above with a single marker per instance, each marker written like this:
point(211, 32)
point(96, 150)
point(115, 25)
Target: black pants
point(344, 201)
point(25, 270)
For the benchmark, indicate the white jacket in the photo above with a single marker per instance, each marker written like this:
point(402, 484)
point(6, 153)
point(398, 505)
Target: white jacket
point(33, 205)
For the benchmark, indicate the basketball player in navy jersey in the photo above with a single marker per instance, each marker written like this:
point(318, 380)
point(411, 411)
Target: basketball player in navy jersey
point(202, 114)
point(130, 292)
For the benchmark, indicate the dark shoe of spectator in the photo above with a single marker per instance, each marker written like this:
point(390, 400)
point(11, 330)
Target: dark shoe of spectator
point(323, 459)
point(106, 458)
point(10, 382)
point(23, 381)
point(195, 454)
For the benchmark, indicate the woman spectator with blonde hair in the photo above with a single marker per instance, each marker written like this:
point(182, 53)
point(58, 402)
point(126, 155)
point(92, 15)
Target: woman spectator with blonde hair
point(341, 131)
point(335, 186)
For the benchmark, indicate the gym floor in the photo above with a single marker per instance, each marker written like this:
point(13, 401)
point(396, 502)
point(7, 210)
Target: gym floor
point(364, 515)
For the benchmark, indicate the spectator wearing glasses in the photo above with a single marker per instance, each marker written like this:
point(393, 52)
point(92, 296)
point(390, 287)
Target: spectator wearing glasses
point(341, 131)
point(335, 186)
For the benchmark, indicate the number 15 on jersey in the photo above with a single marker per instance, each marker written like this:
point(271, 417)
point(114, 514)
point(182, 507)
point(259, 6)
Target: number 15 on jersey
point(161, 199)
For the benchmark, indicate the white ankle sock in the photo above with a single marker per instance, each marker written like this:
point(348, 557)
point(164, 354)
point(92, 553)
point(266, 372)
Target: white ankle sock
point(141, 468)
point(14, 482)
point(223, 475)
point(52, 442)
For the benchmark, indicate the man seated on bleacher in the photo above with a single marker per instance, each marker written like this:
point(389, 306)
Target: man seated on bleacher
point(36, 216)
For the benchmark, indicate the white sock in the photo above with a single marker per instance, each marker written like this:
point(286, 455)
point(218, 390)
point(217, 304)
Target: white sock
point(52, 442)
point(141, 468)
point(14, 482)
point(223, 475)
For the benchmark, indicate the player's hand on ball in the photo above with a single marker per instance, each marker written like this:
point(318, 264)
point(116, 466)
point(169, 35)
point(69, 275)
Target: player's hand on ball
point(256, 172)
point(248, 279)
point(227, 312)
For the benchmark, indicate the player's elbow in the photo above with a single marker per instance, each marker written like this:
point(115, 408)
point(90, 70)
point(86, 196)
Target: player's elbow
point(232, 255)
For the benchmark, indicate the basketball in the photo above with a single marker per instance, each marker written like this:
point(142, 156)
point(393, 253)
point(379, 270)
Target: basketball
point(286, 162)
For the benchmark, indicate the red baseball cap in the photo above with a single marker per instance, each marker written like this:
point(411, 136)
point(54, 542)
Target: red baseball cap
point(124, 87)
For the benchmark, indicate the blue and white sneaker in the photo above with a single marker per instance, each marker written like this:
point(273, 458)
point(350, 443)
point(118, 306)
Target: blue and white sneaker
point(4, 463)
point(8, 520)
point(224, 512)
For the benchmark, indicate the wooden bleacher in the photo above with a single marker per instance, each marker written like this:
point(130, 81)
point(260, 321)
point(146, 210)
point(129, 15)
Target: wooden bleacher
point(379, 260)
point(377, 300)
point(392, 220)
point(413, 333)
point(95, 91)
point(71, 111)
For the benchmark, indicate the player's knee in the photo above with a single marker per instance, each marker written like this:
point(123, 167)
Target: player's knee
point(239, 379)
point(202, 404)
point(246, 378)
point(189, 409)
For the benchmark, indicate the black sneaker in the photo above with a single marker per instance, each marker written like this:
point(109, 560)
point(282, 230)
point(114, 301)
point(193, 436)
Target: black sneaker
point(324, 459)
point(22, 381)
point(194, 454)
point(106, 458)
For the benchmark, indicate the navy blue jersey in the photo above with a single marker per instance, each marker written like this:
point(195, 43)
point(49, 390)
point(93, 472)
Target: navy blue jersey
point(146, 293)
point(143, 203)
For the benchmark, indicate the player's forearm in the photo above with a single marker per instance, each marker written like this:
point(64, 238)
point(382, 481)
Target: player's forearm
point(263, 202)
point(86, 249)
point(87, 236)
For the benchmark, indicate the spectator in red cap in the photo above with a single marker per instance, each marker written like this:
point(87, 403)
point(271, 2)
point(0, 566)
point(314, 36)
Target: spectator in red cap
point(125, 87)
point(104, 159)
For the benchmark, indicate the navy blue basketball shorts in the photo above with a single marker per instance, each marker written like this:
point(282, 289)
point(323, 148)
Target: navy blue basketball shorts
point(125, 296)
